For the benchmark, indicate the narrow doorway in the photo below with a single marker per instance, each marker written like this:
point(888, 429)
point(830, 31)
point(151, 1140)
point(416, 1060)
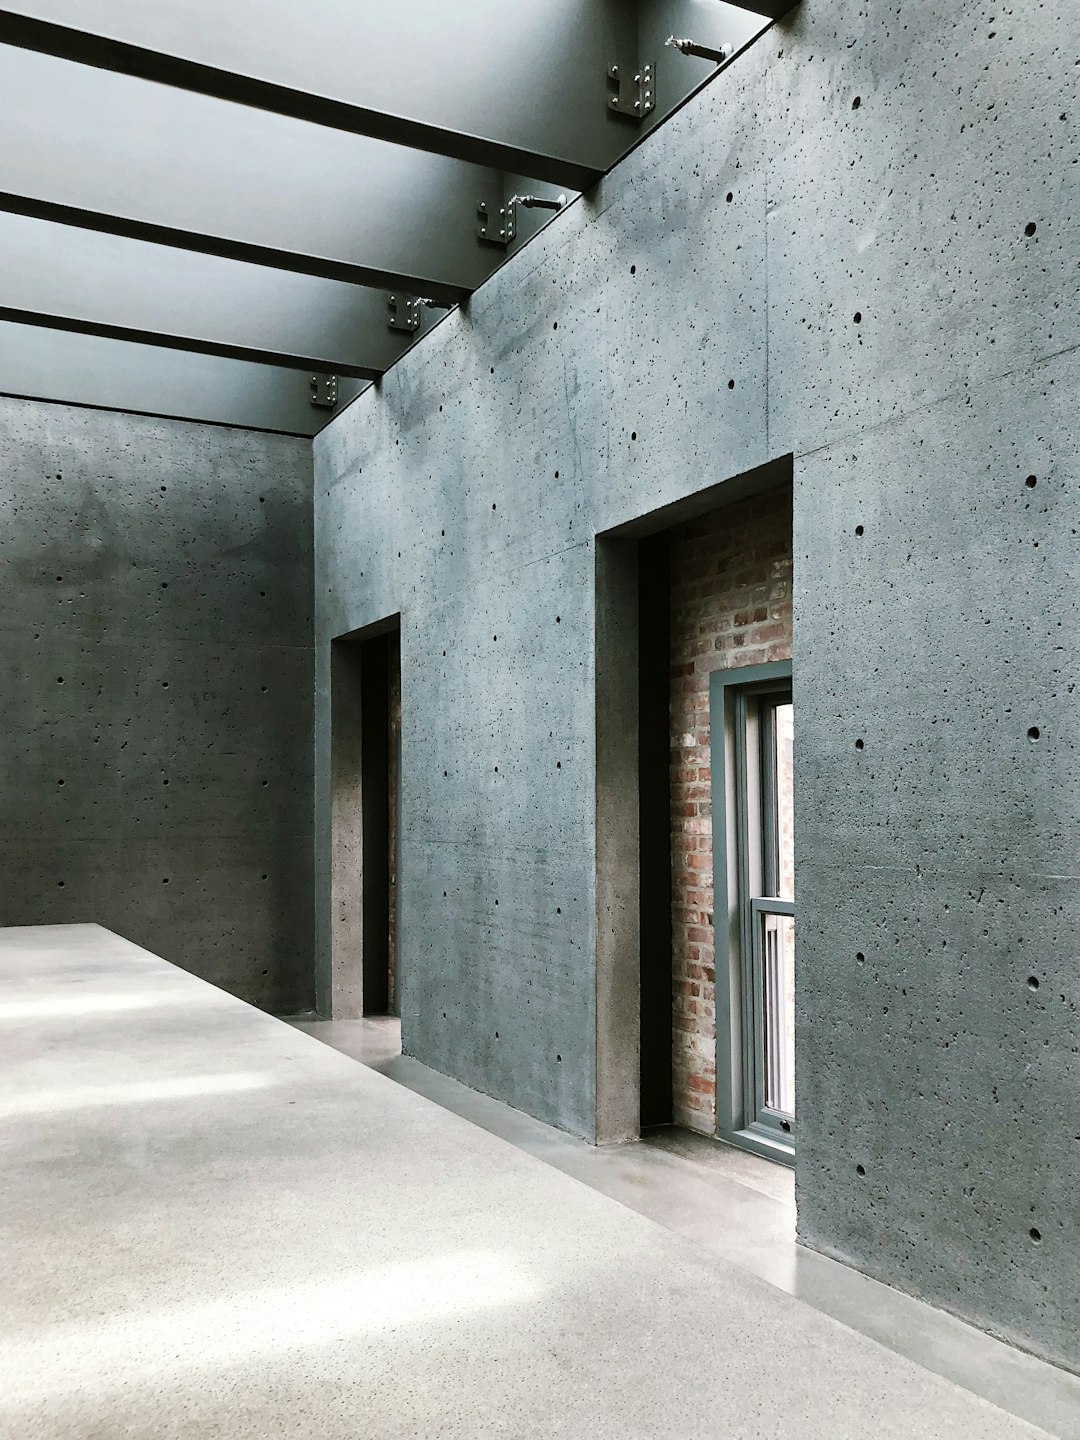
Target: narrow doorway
point(366, 785)
point(716, 908)
point(695, 973)
point(380, 708)
point(654, 831)
point(732, 824)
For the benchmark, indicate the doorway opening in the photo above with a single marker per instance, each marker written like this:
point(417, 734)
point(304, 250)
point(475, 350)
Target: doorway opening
point(732, 823)
point(654, 832)
point(694, 615)
point(380, 710)
point(366, 786)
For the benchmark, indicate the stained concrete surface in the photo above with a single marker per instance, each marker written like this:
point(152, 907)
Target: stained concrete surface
point(217, 1226)
point(156, 715)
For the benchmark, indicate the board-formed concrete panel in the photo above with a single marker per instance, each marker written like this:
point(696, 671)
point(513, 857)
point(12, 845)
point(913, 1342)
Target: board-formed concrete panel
point(496, 885)
point(853, 247)
point(468, 498)
point(938, 789)
point(923, 215)
point(155, 728)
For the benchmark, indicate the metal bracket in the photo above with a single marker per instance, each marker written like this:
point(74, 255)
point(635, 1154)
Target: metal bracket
point(635, 90)
point(324, 392)
point(703, 52)
point(540, 202)
point(403, 313)
point(497, 224)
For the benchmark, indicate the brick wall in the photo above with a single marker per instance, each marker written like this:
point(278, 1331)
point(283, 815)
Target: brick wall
point(730, 606)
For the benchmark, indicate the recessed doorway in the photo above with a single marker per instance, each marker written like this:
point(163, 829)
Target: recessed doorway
point(366, 786)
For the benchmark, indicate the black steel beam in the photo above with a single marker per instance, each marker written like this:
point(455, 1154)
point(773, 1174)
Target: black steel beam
point(97, 284)
point(194, 345)
point(38, 363)
point(121, 57)
point(772, 9)
point(324, 267)
point(305, 199)
point(124, 157)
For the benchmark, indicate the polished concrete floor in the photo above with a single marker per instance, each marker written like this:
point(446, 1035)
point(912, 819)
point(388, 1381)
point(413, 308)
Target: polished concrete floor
point(742, 1209)
point(214, 1226)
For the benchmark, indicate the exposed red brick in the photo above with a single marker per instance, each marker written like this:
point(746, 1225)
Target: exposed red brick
point(730, 606)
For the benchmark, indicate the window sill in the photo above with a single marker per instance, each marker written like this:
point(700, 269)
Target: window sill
point(760, 1141)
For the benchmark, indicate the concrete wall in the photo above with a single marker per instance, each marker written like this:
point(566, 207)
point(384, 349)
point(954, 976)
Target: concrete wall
point(155, 710)
point(855, 246)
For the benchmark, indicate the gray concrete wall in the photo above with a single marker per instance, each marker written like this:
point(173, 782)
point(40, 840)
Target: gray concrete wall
point(855, 246)
point(155, 708)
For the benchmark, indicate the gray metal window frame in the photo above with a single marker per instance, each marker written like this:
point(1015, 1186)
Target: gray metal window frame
point(744, 851)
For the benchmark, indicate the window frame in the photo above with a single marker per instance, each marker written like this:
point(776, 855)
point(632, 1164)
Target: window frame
point(744, 869)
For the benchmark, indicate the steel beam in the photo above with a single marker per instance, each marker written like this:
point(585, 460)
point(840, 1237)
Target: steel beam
point(99, 284)
point(522, 87)
point(224, 183)
point(270, 56)
point(41, 364)
point(131, 158)
point(231, 249)
point(771, 9)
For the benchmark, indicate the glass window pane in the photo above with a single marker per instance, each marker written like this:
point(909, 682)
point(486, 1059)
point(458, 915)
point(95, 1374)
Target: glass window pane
point(778, 952)
point(785, 802)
